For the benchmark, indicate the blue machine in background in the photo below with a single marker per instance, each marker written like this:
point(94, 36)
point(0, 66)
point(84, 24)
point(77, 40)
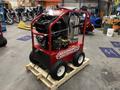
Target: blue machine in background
point(96, 21)
point(2, 18)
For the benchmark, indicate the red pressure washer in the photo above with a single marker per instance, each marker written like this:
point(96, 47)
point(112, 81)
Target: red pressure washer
point(54, 43)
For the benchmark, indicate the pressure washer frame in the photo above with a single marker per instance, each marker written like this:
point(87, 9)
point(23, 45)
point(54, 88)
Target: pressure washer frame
point(50, 52)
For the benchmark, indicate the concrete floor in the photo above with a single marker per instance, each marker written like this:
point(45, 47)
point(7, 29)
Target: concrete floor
point(102, 74)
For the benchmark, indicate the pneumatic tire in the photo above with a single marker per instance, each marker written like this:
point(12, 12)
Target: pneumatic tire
point(34, 57)
point(58, 70)
point(3, 41)
point(78, 59)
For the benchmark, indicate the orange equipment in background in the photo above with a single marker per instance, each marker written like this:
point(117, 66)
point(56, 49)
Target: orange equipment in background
point(48, 3)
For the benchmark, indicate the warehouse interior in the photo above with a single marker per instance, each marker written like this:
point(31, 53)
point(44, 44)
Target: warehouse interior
point(100, 43)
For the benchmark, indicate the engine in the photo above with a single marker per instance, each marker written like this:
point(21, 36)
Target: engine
point(59, 33)
point(58, 41)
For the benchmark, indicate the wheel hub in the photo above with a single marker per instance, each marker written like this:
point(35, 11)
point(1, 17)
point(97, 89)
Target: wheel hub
point(80, 59)
point(60, 71)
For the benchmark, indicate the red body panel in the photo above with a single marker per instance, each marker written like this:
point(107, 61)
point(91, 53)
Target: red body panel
point(69, 54)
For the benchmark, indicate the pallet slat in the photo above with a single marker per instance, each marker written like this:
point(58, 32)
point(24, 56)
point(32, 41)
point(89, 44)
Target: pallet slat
point(48, 81)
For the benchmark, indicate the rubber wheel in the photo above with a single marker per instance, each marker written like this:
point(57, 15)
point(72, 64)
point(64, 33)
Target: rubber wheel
point(3, 41)
point(10, 21)
point(30, 18)
point(17, 20)
point(78, 59)
point(58, 71)
point(34, 57)
point(24, 18)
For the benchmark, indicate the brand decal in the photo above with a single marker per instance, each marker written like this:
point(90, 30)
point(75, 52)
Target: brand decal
point(67, 52)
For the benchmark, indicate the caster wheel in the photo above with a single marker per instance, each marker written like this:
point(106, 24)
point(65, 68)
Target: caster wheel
point(58, 71)
point(3, 41)
point(10, 21)
point(78, 59)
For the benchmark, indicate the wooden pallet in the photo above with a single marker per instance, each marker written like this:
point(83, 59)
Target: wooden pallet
point(48, 81)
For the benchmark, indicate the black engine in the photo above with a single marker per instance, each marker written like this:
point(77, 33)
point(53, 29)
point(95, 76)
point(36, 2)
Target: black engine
point(59, 33)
